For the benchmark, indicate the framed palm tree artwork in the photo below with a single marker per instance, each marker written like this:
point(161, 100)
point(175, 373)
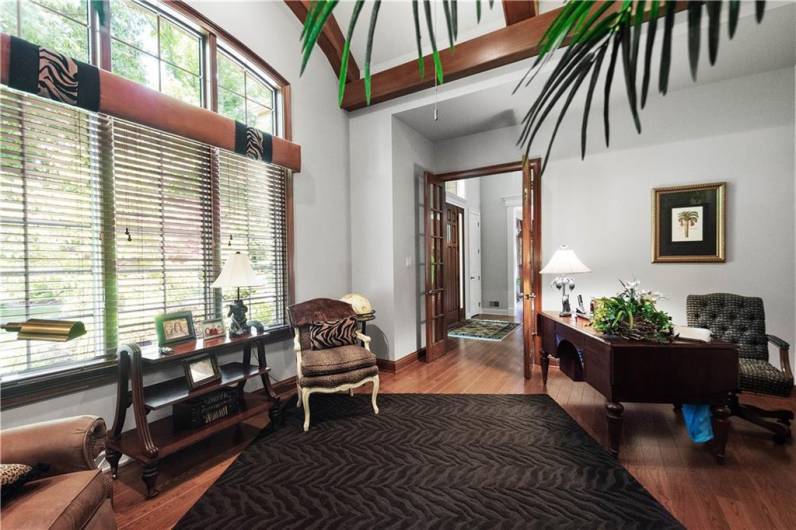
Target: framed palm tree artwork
point(688, 223)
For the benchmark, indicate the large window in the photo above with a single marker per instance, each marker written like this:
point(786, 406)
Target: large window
point(159, 46)
point(156, 50)
point(243, 95)
point(62, 25)
point(112, 223)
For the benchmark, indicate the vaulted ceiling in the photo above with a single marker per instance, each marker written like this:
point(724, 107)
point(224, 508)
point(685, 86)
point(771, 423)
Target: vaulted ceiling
point(395, 51)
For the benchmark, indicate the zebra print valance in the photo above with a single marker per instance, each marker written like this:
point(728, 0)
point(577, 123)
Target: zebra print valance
point(31, 68)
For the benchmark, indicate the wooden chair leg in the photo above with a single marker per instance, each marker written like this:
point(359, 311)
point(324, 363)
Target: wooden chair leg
point(375, 393)
point(305, 401)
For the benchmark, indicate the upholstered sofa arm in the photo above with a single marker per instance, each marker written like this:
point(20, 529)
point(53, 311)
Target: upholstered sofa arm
point(65, 445)
point(784, 357)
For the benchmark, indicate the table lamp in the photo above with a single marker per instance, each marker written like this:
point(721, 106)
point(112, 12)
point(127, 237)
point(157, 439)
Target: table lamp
point(564, 262)
point(237, 273)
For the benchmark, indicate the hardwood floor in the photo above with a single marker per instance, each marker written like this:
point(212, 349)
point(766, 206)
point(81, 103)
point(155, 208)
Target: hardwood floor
point(755, 489)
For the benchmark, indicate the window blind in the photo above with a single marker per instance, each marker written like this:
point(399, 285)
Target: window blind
point(50, 261)
point(112, 223)
point(163, 227)
point(252, 220)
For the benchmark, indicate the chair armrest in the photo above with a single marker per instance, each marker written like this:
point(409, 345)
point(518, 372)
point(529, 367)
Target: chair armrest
point(365, 339)
point(66, 445)
point(784, 358)
point(773, 339)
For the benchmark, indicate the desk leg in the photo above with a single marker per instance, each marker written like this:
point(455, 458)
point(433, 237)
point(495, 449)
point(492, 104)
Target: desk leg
point(545, 366)
point(614, 412)
point(721, 424)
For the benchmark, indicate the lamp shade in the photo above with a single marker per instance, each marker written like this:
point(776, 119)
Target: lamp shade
point(237, 272)
point(564, 261)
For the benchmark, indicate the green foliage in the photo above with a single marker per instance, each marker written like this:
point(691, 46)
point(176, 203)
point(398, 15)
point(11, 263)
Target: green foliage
point(632, 315)
point(590, 31)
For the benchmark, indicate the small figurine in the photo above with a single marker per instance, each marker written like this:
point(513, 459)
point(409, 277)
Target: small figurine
point(237, 325)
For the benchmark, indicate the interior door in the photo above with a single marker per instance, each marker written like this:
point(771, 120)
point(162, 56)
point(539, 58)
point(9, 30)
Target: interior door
point(474, 262)
point(453, 247)
point(434, 225)
point(531, 260)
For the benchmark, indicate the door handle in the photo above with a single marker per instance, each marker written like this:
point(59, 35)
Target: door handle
point(472, 277)
point(529, 296)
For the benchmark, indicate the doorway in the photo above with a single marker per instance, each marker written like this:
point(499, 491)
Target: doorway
point(442, 267)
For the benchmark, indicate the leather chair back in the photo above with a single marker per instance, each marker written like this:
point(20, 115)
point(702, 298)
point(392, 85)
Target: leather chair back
point(732, 318)
point(316, 310)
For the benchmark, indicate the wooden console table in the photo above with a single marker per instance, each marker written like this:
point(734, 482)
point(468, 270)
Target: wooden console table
point(643, 372)
point(148, 443)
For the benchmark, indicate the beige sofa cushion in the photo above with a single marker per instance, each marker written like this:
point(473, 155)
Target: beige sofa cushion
point(60, 502)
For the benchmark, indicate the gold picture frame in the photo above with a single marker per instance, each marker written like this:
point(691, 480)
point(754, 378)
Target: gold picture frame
point(688, 223)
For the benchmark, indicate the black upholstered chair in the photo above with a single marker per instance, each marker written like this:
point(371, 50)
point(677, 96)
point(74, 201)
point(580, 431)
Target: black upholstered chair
point(741, 320)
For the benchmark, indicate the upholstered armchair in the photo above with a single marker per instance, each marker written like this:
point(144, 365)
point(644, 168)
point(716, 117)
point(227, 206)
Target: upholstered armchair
point(72, 493)
point(741, 320)
point(330, 369)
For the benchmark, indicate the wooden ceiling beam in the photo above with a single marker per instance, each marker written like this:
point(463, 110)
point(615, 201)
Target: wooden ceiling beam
point(504, 46)
point(519, 10)
point(331, 40)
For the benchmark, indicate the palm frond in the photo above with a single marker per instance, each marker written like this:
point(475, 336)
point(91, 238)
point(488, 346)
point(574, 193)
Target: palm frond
point(421, 63)
point(735, 10)
point(446, 7)
point(374, 16)
point(694, 35)
point(714, 19)
point(652, 26)
point(314, 27)
point(609, 78)
point(347, 51)
point(434, 51)
point(666, 52)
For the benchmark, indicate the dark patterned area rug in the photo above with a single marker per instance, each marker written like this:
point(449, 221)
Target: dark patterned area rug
point(428, 461)
point(480, 329)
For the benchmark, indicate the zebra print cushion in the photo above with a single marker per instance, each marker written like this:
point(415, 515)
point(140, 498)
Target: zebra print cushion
point(333, 333)
point(57, 77)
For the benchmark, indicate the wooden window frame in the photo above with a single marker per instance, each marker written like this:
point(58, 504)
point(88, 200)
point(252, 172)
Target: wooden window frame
point(81, 377)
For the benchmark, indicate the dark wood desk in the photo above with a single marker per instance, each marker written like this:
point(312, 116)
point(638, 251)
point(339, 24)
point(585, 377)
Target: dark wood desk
point(643, 372)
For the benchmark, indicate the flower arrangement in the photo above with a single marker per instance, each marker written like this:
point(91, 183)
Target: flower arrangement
point(632, 315)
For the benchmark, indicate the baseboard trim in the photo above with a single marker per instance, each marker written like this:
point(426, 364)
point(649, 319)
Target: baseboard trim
point(395, 367)
point(285, 386)
point(494, 311)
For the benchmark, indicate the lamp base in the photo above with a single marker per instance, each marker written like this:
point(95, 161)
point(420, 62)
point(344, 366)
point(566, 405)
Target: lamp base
point(237, 324)
point(566, 309)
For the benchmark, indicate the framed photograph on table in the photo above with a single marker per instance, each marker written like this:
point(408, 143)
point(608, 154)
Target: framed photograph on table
point(201, 371)
point(174, 327)
point(213, 329)
point(688, 223)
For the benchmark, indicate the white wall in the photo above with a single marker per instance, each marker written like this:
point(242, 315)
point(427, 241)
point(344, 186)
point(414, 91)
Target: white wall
point(740, 131)
point(412, 155)
point(321, 190)
point(494, 243)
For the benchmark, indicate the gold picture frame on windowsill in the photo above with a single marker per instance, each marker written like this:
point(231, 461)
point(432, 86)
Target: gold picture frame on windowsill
point(688, 223)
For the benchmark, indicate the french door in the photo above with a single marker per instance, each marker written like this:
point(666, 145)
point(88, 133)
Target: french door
point(531, 260)
point(437, 268)
point(435, 224)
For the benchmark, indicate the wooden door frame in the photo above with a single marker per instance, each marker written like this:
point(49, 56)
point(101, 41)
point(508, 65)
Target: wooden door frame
point(531, 180)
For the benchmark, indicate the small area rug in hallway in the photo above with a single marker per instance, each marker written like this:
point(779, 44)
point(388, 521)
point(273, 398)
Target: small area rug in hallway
point(428, 461)
point(473, 328)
